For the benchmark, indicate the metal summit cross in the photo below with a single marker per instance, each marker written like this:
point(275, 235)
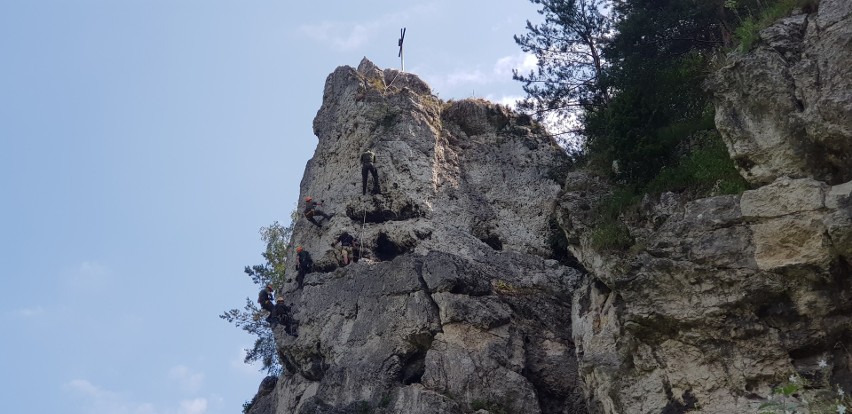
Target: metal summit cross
point(401, 55)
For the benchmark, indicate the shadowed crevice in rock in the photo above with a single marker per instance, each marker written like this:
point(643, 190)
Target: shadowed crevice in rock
point(381, 209)
point(387, 249)
point(493, 241)
point(418, 267)
point(683, 405)
point(413, 367)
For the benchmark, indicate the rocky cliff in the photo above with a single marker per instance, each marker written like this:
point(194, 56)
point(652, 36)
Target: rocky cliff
point(467, 301)
point(457, 305)
point(723, 298)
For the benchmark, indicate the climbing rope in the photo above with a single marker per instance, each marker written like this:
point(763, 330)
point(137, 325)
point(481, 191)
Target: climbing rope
point(392, 81)
point(361, 233)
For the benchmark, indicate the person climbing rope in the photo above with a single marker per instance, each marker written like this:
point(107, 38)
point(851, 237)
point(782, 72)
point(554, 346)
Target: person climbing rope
point(281, 315)
point(304, 265)
point(264, 298)
point(348, 244)
point(368, 160)
point(312, 211)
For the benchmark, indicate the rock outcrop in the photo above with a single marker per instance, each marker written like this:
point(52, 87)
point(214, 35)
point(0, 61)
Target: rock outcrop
point(783, 108)
point(456, 305)
point(459, 304)
point(724, 298)
point(720, 300)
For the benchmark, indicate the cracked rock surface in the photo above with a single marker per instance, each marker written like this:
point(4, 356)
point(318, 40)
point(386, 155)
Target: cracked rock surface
point(456, 305)
point(785, 108)
point(720, 301)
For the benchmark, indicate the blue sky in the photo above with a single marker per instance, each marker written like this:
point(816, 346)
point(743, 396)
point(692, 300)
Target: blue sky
point(143, 143)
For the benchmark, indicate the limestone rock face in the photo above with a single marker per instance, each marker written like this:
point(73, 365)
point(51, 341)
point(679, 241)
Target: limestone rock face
point(720, 300)
point(785, 108)
point(456, 305)
point(724, 298)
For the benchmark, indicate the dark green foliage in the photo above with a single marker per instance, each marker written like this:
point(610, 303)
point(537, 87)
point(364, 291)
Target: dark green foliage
point(568, 48)
point(636, 85)
point(611, 235)
point(251, 318)
point(747, 32)
point(707, 170)
point(247, 406)
point(489, 406)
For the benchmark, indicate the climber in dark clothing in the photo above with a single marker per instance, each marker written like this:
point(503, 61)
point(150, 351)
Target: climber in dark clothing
point(347, 245)
point(312, 211)
point(368, 160)
point(281, 315)
point(264, 298)
point(304, 265)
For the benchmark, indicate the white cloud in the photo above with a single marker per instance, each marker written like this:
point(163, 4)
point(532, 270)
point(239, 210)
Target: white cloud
point(93, 269)
point(240, 366)
point(523, 62)
point(188, 380)
point(466, 77)
point(501, 71)
point(89, 275)
point(194, 406)
point(341, 36)
point(101, 401)
point(28, 312)
point(349, 36)
point(511, 100)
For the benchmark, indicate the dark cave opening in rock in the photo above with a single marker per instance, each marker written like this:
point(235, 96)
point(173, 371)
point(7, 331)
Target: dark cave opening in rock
point(413, 368)
point(493, 241)
point(386, 249)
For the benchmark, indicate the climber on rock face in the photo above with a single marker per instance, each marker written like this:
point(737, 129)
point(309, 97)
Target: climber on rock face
point(347, 245)
point(264, 298)
point(304, 265)
point(312, 211)
point(368, 159)
point(281, 315)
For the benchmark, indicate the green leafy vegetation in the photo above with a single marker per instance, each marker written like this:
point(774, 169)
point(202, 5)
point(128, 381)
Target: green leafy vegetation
point(749, 29)
point(250, 318)
point(705, 171)
point(631, 75)
point(610, 233)
point(799, 395)
point(567, 79)
point(489, 406)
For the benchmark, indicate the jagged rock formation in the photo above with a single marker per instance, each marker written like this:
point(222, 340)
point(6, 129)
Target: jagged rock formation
point(723, 298)
point(457, 306)
point(460, 307)
point(783, 108)
point(720, 300)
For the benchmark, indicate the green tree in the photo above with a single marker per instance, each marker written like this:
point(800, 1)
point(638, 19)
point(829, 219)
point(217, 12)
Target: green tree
point(568, 47)
point(658, 60)
point(250, 317)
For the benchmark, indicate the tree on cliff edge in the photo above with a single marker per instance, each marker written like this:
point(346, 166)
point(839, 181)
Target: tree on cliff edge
point(568, 47)
point(250, 317)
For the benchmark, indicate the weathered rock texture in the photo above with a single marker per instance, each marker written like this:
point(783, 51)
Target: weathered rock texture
point(784, 108)
point(457, 306)
point(720, 300)
point(723, 298)
point(460, 307)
